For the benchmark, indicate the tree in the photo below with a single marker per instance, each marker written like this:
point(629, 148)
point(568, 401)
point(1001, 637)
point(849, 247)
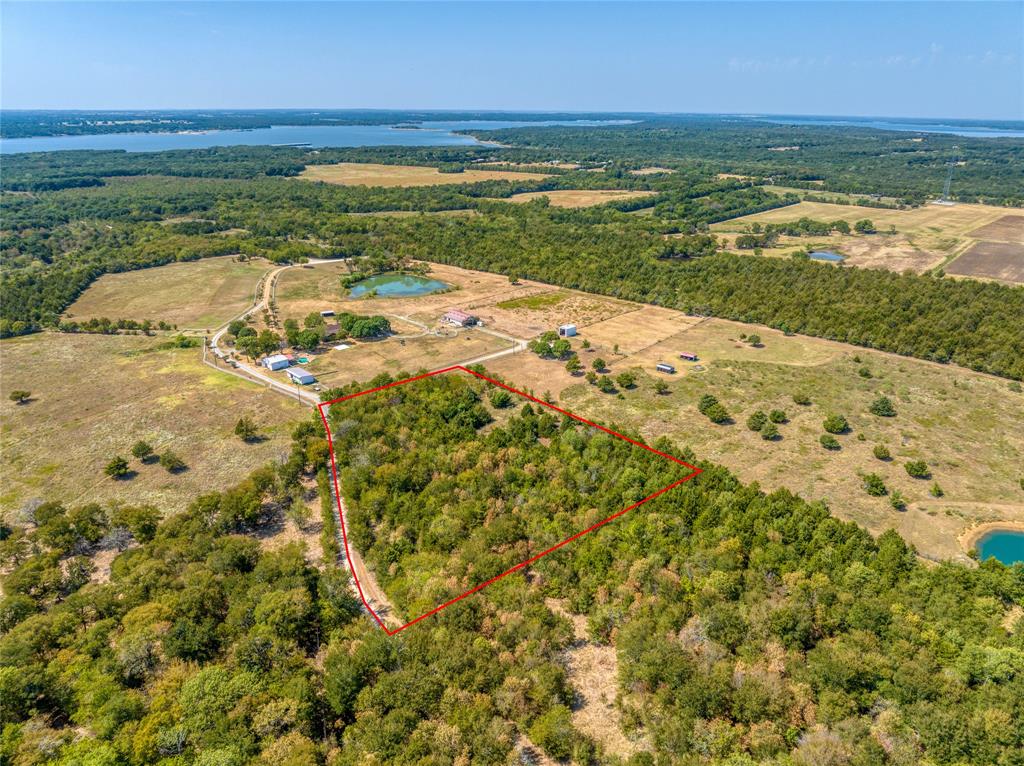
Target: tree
point(802, 399)
point(598, 364)
point(591, 377)
point(717, 414)
point(864, 226)
point(501, 399)
point(574, 365)
point(605, 384)
point(19, 396)
point(917, 469)
point(245, 429)
point(769, 431)
point(754, 340)
point(829, 442)
point(881, 452)
point(706, 402)
point(873, 484)
point(936, 490)
point(236, 327)
point(171, 462)
point(777, 416)
point(660, 387)
point(586, 343)
point(897, 501)
point(757, 420)
point(141, 451)
point(864, 372)
point(882, 406)
point(626, 379)
point(561, 348)
point(835, 424)
point(553, 731)
point(117, 468)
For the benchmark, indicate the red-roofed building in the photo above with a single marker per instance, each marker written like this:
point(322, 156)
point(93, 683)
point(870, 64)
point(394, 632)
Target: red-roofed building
point(459, 318)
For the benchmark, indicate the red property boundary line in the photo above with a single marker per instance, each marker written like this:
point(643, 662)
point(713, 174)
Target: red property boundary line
point(694, 470)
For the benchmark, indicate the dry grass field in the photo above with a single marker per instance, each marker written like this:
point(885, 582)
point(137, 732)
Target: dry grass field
point(369, 174)
point(196, 294)
point(968, 427)
point(580, 197)
point(926, 237)
point(651, 171)
point(991, 260)
point(93, 396)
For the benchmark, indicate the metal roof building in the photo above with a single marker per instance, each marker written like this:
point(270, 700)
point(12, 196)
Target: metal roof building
point(299, 375)
point(276, 362)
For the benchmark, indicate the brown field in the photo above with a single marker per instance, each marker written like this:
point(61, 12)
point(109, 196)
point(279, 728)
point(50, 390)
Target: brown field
point(580, 197)
point(1009, 228)
point(947, 416)
point(993, 260)
point(93, 396)
point(926, 237)
point(196, 294)
point(652, 171)
point(537, 165)
point(369, 174)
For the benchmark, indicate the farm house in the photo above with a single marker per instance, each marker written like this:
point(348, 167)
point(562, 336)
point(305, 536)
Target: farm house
point(299, 375)
point(567, 330)
point(276, 362)
point(459, 318)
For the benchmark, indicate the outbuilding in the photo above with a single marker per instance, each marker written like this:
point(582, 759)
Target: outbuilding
point(666, 368)
point(459, 318)
point(276, 362)
point(567, 330)
point(299, 375)
point(327, 313)
point(688, 356)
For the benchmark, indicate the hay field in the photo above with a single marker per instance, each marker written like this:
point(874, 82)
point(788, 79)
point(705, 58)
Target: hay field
point(370, 174)
point(199, 294)
point(93, 396)
point(927, 237)
point(580, 197)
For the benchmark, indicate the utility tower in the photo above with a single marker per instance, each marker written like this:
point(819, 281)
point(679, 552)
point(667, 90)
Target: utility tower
point(945, 200)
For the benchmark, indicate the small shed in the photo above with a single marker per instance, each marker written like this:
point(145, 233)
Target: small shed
point(688, 356)
point(567, 330)
point(459, 318)
point(327, 313)
point(299, 375)
point(666, 368)
point(276, 362)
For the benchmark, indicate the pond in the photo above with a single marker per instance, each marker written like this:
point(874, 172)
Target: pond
point(827, 255)
point(1005, 545)
point(396, 286)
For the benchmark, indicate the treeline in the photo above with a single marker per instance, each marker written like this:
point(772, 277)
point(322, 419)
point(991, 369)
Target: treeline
point(853, 160)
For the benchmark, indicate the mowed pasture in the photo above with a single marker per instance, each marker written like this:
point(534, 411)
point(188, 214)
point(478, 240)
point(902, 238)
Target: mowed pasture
point(580, 197)
point(370, 174)
point(968, 427)
point(93, 396)
point(927, 237)
point(199, 294)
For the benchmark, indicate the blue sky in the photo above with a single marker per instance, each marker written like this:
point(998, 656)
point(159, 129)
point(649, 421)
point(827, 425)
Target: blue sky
point(937, 59)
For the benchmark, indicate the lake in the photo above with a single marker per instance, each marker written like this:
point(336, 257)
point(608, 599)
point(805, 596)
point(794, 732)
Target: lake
point(972, 130)
point(428, 133)
point(1005, 545)
point(827, 255)
point(396, 286)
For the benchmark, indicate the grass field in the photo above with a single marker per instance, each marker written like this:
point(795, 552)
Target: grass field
point(196, 294)
point(93, 396)
point(927, 237)
point(580, 197)
point(368, 174)
point(968, 427)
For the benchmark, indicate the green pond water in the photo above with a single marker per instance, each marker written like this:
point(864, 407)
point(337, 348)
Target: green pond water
point(1004, 545)
point(396, 286)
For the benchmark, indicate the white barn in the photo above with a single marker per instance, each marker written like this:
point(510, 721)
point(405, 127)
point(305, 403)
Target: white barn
point(276, 362)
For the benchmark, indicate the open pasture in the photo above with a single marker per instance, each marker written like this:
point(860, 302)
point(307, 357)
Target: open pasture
point(580, 197)
point(93, 396)
point(925, 238)
point(194, 294)
point(370, 174)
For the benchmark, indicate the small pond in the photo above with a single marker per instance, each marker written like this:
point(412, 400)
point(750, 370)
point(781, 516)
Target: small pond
point(1005, 545)
point(827, 255)
point(396, 286)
